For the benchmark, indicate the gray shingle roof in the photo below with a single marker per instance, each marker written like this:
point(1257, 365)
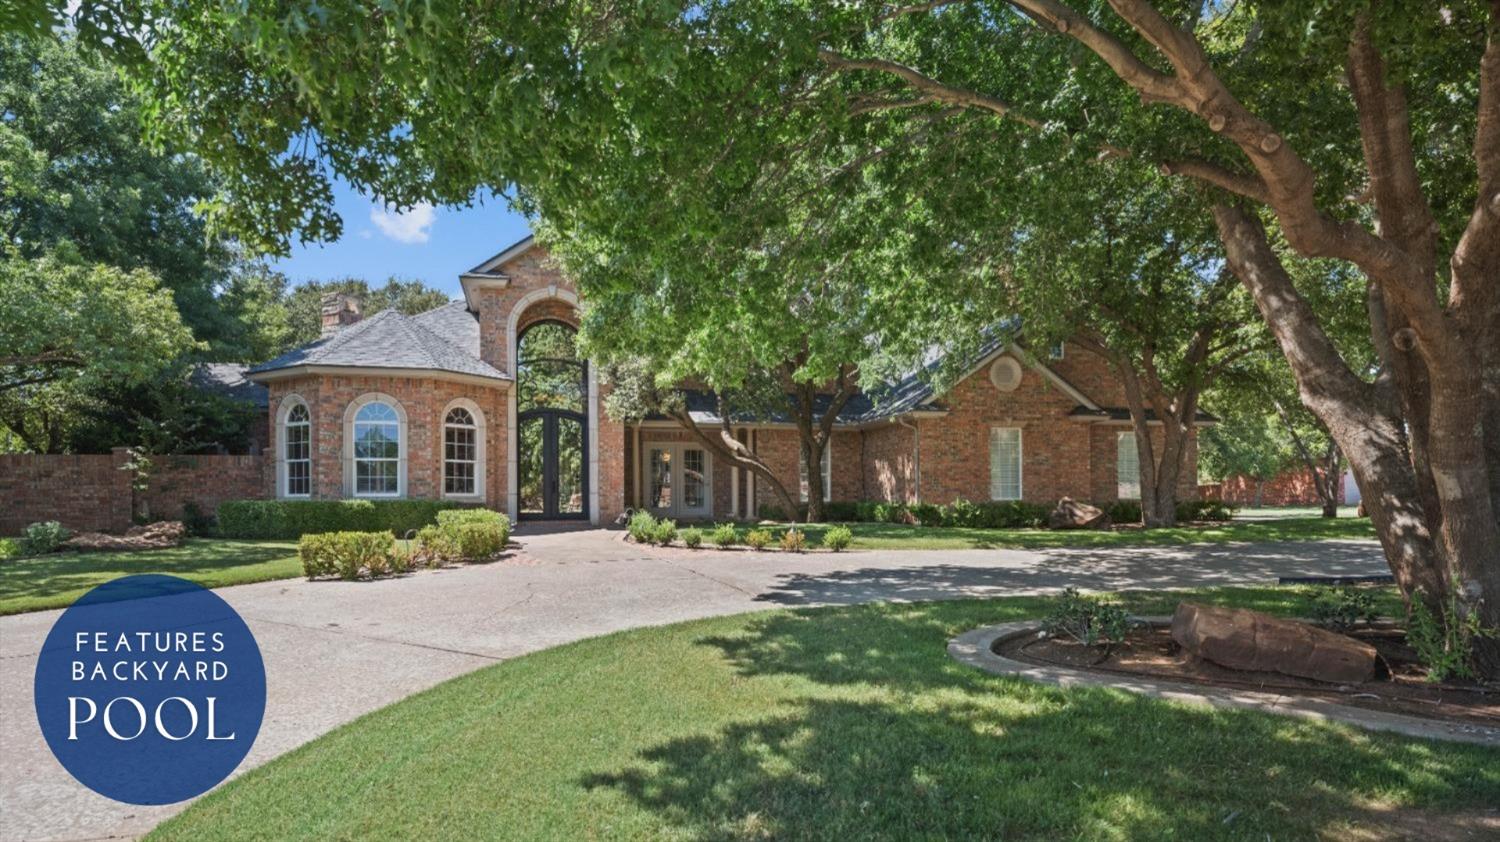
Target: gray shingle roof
point(390, 340)
point(228, 380)
point(454, 322)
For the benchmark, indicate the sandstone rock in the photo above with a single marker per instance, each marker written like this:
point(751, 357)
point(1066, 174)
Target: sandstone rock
point(1071, 514)
point(152, 536)
point(1248, 640)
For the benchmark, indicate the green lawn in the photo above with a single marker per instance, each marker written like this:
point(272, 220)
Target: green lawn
point(56, 579)
point(891, 536)
point(837, 723)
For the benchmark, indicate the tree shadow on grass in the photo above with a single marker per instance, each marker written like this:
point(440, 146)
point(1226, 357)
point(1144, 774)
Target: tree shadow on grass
point(881, 735)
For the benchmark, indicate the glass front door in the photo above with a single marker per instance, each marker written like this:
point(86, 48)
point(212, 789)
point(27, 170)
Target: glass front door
point(677, 481)
point(551, 451)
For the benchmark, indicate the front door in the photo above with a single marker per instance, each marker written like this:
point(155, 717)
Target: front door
point(677, 481)
point(551, 425)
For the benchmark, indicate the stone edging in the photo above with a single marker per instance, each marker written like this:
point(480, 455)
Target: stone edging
point(976, 648)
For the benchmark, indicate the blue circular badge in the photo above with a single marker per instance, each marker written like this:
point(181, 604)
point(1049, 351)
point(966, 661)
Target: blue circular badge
point(150, 689)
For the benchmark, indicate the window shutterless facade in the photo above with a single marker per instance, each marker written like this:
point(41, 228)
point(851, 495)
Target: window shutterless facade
point(296, 453)
point(460, 453)
point(827, 473)
point(1005, 463)
point(377, 451)
point(1127, 468)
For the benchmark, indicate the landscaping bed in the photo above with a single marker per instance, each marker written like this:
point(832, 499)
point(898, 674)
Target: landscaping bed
point(1149, 650)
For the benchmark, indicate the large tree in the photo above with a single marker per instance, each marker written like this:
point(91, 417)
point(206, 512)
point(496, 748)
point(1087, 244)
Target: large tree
point(1364, 133)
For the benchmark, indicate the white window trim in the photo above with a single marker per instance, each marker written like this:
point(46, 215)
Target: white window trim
point(677, 477)
point(403, 446)
point(480, 451)
point(1058, 351)
point(827, 473)
point(1120, 439)
point(289, 403)
point(1020, 464)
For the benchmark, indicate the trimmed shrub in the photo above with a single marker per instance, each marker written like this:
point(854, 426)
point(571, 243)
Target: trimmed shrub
point(725, 535)
point(1124, 511)
point(692, 538)
point(1210, 510)
point(348, 555)
point(840, 512)
point(927, 514)
point(664, 533)
point(436, 546)
point(757, 539)
point(771, 511)
point(291, 519)
point(793, 541)
point(641, 528)
point(879, 511)
point(195, 521)
point(43, 537)
point(493, 529)
point(838, 538)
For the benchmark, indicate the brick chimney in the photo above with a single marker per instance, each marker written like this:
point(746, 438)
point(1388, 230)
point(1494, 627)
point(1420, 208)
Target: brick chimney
point(338, 310)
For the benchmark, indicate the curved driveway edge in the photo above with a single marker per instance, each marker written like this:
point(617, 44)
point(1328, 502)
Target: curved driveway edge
point(977, 649)
point(337, 650)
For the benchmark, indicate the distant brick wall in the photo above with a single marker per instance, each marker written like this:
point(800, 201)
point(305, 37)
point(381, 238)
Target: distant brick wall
point(1291, 488)
point(93, 493)
point(206, 481)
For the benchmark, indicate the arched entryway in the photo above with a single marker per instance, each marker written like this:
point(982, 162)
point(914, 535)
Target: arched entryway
point(552, 393)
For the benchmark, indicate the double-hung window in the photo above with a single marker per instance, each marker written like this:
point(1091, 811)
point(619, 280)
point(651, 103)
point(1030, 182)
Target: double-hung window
point(827, 473)
point(1127, 468)
point(296, 453)
point(377, 451)
point(1005, 463)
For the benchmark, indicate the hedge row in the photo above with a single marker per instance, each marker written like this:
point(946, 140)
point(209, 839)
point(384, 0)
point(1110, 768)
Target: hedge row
point(291, 519)
point(1008, 514)
point(459, 536)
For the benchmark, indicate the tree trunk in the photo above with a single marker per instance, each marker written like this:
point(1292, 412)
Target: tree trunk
point(814, 430)
point(726, 446)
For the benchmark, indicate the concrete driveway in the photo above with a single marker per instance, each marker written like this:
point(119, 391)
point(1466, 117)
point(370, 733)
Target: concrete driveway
point(337, 650)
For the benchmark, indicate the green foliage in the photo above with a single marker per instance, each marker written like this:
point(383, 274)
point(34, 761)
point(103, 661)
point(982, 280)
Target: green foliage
point(1087, 619)
point(664, 533)
point(1444, 641)
point(998, 514)
point(1124, 511)
point(302, 303)
point(43, 537)
point(642, 527)
point(692, 538)
point(876, 511)
point(291, 519)
point(926, 514)
point(1340, 609)
point(794, 541)
point(196, 521)
point(347, 555)
point(838, 538)
point(461, 535)
point(1204, 510)
point(758, 539)
point(725, 535)
point(436, 546)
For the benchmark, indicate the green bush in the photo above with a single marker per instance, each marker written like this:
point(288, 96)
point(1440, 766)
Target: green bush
point(997, 514)
point(43, 537)
point(1341, 609)
point(195, 521)
point(838, 538)
point(794, 541)
point(1210, 510)
point(1445, 643)
point(1124, 511)
point(758, 539)
point(641, 528)
point(1086, 619)
point(291, 519)
point(927, 514)
point(771, 511)
point(664, 533)
point(348, 555)
point(478, 541)
point(725, 535)
point(840, 512)
point(692, 538)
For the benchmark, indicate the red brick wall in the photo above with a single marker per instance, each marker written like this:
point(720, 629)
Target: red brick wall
point(889, 463)
point(781, 449)
point(1291, 488)
point(92, 493)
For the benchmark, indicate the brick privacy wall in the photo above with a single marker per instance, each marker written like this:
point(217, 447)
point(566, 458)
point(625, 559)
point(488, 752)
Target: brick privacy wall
point(206, 481)
point(425, 401)
point(91, 493)
point(85, 493)
point(1289, 488)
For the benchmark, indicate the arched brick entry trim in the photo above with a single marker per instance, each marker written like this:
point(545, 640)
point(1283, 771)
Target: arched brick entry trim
point(560, 303)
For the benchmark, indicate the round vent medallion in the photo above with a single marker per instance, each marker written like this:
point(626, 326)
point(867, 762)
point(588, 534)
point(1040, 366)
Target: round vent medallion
point(1005, 373)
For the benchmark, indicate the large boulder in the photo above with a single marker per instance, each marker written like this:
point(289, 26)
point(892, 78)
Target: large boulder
point(1249, 640)
point(152, 536)
point(1071, 514)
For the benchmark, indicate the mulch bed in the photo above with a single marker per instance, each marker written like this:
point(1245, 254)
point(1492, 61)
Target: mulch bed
point(1151, 651)
point(155, 536)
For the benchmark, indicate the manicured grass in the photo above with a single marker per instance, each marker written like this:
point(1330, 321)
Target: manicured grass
point(56, 579)
point(837, 723)
point(891, 536)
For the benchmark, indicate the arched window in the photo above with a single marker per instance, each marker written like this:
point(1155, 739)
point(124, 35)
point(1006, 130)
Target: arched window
point(552, 423)
point(377, 451)
point(296, 452)
point(463, 441)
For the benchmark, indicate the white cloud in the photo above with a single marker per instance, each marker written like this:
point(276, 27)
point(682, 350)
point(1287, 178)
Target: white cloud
point(409, 227)
point(365, 233)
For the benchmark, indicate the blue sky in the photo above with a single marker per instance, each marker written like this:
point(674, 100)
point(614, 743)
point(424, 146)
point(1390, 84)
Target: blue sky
point(430, 244)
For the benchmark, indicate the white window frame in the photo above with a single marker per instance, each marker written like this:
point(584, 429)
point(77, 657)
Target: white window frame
point(1122, 488)
point(1057, 351)
point(677, 477)
point(480, 459)
point(351, 471)
point(827, 472)
point(283, 465)
point(995, 493)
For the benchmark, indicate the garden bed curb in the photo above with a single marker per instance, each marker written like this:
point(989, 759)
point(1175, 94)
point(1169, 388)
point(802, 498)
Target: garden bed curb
point(976, 648)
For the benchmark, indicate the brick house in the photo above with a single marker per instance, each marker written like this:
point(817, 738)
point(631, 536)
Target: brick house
point(484, 400)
